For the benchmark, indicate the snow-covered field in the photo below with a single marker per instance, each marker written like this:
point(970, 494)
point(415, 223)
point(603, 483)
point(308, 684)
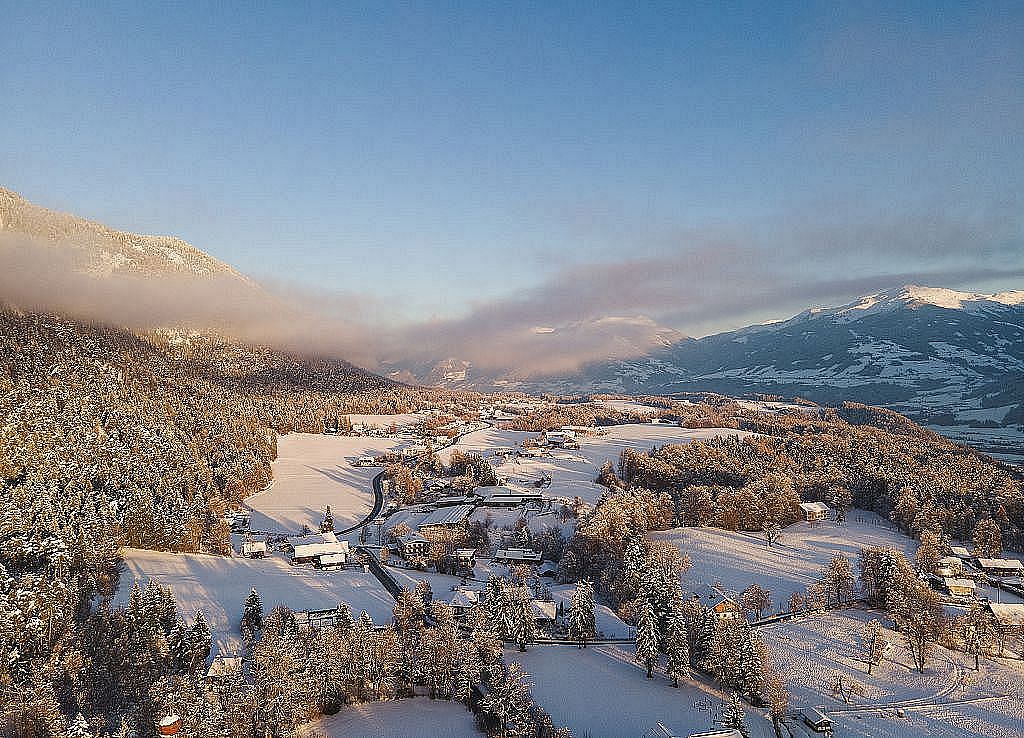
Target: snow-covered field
point(950, 700)
point(573, 471)
point(315, 470)
point(599, 691)
point(413, 718)
point(737, 560)
point(218, 586)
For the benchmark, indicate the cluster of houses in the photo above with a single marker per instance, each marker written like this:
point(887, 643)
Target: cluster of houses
point(323, 550)
point(956, 573)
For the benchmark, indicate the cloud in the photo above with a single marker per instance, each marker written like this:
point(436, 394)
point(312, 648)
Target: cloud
point(692, 282)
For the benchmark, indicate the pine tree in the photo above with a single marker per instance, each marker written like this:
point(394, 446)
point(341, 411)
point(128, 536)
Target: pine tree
point(581, 613)
point(733, 717)
point(677, 647)
point(328, 522)
point(79, 728)
point(507, 702)
point(252, 616)
point(646, 652)
point(200, 642)
point(343, 619)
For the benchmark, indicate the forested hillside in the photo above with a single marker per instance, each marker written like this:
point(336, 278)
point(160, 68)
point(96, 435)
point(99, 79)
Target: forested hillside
point(107, 439)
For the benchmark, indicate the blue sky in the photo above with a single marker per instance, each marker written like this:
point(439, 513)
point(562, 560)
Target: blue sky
point(453, 159)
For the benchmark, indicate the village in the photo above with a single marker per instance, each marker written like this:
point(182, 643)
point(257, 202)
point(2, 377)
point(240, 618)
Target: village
point(445, 506)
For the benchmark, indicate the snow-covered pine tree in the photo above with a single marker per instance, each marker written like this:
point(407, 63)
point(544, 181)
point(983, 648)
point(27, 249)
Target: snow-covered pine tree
point(200, 642)
point(507, 702)
point(581, 613)
point(677, 647)
point(252, 615)
point(327, 525)
point(646, 652)
point(733, 717)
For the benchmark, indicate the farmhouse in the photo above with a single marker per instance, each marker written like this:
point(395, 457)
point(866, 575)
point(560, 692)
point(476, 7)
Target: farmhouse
point(464, 600)
point(224, 667)
point(814, 511)
point(465, 557)
point(1007, 613)
point(316, 618)
point(310, 549)
point(413, 545)
point(1001, 567)
point(447, 517)
point(958, 587)
point(816, 720)
point(961, 553)
point(543, 612)
point(948, 566)
point(727, 609)
point(256, 549)
point(501, 496)
point(560, 438)
point(517, 556)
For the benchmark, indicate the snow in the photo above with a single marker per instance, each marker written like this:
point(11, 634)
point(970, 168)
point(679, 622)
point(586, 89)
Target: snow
point(937, 703)
point(573, 471)
point(412, 718)
point(599, 691)
point(733, 561)
point(315, 470)
point(218, 586)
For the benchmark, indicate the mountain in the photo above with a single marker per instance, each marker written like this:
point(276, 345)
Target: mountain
point(950, 360)
point(103, 251)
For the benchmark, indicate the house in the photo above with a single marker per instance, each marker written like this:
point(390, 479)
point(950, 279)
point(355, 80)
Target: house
point(369, 461)
point(413, 545)
point(1007, 614)
point(309, 549)
point(958, 587)
point(413, 451)
point(256, 549)
point(465, 557)
point(961, 553)
point(814, 511)
point(316, 618)
point(548, 569)
point(560, 438)
point(464, 600)
point(948, 566)
point(223, 667)
point(332, 561)
point(816, 720)
point(169, 725)
point(543, 612)
point(502, 496)
point(1002, 567)
point(727, 609)
point(517, 556)
point(239, 522)
point(447, 517)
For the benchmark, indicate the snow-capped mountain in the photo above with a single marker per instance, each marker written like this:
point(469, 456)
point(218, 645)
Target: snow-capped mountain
point(953, 360)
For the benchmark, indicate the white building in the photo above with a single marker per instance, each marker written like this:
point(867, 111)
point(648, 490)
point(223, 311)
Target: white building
point(814, 511)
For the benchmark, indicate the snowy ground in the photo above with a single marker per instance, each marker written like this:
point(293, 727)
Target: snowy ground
point(413, 718)
point(737, 560)
point(315, 470)
point(600, 692)
point(950, 700)
point(218, 586)
point(573, 471)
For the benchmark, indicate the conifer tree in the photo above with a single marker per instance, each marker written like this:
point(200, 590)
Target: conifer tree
point(646, 652)
point(252, 615)
point(677, 647)
point(581, 613)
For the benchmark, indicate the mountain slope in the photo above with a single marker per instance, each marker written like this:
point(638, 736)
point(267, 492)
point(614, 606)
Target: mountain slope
point(102, 251)
point(950, 359)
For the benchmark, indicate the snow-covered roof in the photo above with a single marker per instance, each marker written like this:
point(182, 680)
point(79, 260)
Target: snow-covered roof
point(447, 515)
point(1007, 612)
point(412, 537)
point(960, 552)
point(335, 558)
point(517, 554)
point(310, 550)
point(1001, 564)
point(224, 665)
point(465, 598)
point(814, 507)
point(543, 610)
point(952, 582)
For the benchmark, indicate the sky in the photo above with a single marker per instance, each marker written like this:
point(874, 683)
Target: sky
point(542, 167)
